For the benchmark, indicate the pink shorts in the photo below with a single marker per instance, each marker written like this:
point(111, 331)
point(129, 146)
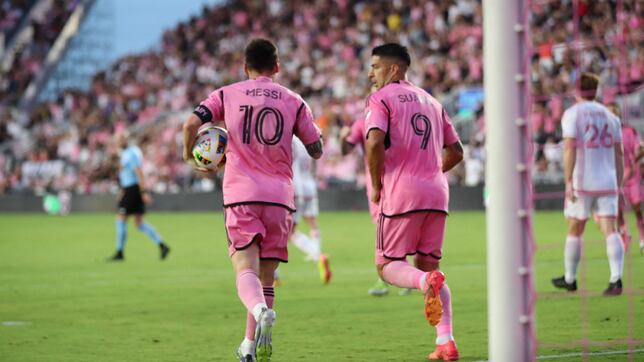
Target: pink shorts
point(633, 192)
point(273, 223)
point(414, 233)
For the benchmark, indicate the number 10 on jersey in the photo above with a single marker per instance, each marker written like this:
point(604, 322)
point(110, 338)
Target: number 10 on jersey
point(260, 124)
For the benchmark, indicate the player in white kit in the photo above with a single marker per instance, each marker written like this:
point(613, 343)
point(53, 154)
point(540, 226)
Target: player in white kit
point(306, 201)
point(594, 170)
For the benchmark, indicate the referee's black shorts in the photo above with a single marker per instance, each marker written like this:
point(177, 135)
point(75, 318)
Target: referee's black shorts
point(132, 202)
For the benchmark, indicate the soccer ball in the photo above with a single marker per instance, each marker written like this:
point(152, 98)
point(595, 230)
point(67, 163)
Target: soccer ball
point(210, 147)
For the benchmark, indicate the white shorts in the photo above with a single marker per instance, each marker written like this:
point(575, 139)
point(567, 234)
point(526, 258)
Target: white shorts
point(605, 205)
point(306, 207)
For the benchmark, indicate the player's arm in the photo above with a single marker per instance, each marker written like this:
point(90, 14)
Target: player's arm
point(452, 155)
point(190, 129)
point(346, 146)
point(375, 149)
point(315, 149)
point(141, 178)
point(569, 158)
point(639, 153)
point(619, 164)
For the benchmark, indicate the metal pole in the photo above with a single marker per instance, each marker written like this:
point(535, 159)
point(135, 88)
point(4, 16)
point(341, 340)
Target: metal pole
point(510, 295)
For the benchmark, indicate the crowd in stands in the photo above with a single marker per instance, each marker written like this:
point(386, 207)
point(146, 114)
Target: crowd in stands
point(46, 25)
point(11, 14)
point(324, 49)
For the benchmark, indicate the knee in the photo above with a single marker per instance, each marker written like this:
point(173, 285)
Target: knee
point(426, 263)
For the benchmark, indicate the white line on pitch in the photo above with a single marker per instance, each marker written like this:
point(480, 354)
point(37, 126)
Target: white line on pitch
point(580, 354)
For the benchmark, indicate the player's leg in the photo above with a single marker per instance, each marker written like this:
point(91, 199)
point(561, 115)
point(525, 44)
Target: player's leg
point(306, 244)
point(279, 223)
point(637, 208)
point(429, 254)
point(302, 241)
point(251, 293)
point(151, 233)
point(268, 271)
point(121, 237)
point(310, 212)
point(607, 209)
point(245, 232)
point(398, 237)
point(445, 344)
point(577, 214)
point(380, 288)
point(264, 325)
point(622, 223)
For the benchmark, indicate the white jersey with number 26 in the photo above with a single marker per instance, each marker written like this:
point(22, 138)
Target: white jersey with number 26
point(596, 131)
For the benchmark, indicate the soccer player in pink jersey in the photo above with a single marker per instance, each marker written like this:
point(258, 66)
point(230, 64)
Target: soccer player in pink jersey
point(351, 137)
point(593, 172)
point(410, 143)
point(632, 191)
point(261, 117)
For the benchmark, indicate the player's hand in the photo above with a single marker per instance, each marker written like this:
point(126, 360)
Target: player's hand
point(344, 132)
point(570, 193)
point(375, 195)
point(147, 199)
point(187, 156)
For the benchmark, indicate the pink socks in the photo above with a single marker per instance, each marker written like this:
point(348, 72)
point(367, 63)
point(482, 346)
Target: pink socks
point(401, 274)
point(269, 295)
point(444, 327)
point(249, 289)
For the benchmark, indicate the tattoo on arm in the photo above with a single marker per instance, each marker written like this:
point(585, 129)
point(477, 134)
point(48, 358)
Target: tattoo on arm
point(315, 149)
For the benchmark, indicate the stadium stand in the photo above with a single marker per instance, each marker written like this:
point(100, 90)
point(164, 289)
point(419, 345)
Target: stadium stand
point(324, 47)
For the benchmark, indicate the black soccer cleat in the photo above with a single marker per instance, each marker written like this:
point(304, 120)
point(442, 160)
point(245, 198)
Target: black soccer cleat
point(560, 283)
point(117, 257)
point(614, 289)
point(165, 250)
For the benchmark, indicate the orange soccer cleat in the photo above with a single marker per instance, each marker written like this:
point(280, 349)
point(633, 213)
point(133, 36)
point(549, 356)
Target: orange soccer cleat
point(433, 306)
point(325, 269)
point(445, 352)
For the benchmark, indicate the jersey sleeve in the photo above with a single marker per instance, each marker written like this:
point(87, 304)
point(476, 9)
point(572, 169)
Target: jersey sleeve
point(449, 132)
point(357, 133)
point(568, 126)
point(305, 128)
point(376, 115)
point(212, 108)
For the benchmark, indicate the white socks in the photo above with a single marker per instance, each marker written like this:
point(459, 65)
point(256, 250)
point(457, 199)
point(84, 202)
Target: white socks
point(257, 310)
point(444, 339)
point(615, 252)
point(310, 246)
point(572, 254)
point(247, 347)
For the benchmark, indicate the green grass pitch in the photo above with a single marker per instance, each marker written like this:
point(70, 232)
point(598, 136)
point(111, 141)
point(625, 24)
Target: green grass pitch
point(68, 304)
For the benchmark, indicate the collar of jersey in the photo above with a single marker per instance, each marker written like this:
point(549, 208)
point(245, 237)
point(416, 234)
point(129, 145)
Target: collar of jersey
point(263, 78)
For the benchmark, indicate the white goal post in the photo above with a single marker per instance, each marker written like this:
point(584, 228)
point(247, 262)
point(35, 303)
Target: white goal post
point(509, 211)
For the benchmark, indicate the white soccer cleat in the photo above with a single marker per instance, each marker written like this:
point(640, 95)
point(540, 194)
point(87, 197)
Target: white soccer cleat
point(263, 335)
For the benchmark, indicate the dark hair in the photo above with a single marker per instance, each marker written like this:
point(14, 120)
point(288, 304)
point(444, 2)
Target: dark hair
point(261, 55)
point(393, 50)
point(588, 84)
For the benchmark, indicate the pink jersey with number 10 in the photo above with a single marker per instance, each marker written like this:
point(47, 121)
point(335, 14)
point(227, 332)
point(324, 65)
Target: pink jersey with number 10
point(417, 128)
point(261, 117)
